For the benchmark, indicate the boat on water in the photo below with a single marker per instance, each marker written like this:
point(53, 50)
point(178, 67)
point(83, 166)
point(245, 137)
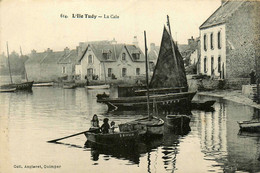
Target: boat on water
point(43, 84)
point(7, 90)
point(24, 86)
point(104, 86)
point(69, 86)
point(249, 126)
point(168, 84)
point(202, 104)
point(150, 125)
point(116, 138)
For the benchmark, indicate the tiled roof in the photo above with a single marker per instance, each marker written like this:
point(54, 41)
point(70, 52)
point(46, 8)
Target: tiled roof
point(153, 54)
point(222, 14)
point(115, 49)
point(71, 57)
point(52, 57)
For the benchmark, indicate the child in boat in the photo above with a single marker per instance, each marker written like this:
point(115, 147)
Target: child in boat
point(95, 124)
point(112, 127)
point(105, 126)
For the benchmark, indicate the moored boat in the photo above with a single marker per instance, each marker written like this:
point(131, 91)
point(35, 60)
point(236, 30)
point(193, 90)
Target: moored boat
point(168, 83)
point(25, 86)
point(202, 105)
point(43, 84)
point(145, 126)
point(72, 86)
point(104, 86)
point(112, 138)
point(7, 90)
point(249, 126)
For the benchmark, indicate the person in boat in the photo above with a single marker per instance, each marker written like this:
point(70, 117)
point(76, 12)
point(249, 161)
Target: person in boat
point(105, 126)
point(112, 127)
point(95, 124)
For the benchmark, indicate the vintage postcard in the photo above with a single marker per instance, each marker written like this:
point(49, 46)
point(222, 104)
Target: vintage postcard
point(129, 86)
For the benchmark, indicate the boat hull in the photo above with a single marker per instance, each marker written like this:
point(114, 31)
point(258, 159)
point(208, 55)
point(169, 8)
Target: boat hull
point(25, 86)
point(45, 84)
point(202, 105)
point(144, 126)
point(112, 138)
point(8, 90)
point(249, 126)
point(163, 100)
point(98, 87)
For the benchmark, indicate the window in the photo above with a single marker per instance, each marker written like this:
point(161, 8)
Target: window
point(63, 70)
point(212, 65)
point(136, 56)
point(137, 71)
point(123, 72)
point(123, 57)
point(109, 72)
point(205, 42)
point(106, 54)
point(219, 40)
point(211, 41)
point(205, 64)
point(90, 59)
point(219, 64)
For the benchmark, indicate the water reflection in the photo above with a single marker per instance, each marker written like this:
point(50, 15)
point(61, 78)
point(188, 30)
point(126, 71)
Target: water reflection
point(213, 143)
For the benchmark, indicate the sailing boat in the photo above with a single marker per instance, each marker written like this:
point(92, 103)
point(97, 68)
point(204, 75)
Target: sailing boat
point(150, 125)
point(168, 84)
point(25, 86)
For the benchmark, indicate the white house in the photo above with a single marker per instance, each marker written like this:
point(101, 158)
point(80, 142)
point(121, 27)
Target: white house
point(111, 61)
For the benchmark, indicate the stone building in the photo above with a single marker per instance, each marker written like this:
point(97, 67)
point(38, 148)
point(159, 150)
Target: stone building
point(228, 40)
point(103, 61)
point(49, 65)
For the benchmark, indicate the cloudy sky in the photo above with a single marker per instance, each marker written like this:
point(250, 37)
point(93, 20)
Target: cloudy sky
point(37, 24)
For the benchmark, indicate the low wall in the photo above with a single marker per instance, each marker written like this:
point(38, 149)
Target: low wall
point(213, 84)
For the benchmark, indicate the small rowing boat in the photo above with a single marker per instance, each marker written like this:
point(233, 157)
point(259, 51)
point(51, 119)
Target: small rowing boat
point(249, 126)
point(7, 90)
point(104, 86)
point(112, 138)
point(69, 86)
point(202, 105)
point(43, 84)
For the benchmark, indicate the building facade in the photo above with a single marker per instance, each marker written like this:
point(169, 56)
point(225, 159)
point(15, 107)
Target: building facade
point(111, 61)
point(228, 40)
point(50, 66)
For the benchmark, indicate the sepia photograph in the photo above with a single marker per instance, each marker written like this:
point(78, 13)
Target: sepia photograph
point(111, 86)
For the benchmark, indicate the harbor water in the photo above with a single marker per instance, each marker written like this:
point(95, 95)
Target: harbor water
point(29, 119)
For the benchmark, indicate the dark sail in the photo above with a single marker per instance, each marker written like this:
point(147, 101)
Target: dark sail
point(169, 71)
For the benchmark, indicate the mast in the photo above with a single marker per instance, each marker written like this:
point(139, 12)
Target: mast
point(9, 63)
point(173, 50)
point(147, 80)
point(25, 73)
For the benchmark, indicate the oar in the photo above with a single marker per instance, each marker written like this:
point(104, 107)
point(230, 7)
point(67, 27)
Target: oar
point(55, 140)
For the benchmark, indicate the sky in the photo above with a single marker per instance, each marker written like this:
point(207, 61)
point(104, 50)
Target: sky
point(40, 24)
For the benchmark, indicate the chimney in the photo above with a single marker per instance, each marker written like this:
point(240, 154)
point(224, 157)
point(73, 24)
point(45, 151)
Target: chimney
point(190, 41)
point(135, 41)
point(152, 46)
point(66, 51)
point(48, 50)
point(113, 41)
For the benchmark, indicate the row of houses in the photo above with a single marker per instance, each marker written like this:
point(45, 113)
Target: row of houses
point(228, 47)
point(98, 60)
